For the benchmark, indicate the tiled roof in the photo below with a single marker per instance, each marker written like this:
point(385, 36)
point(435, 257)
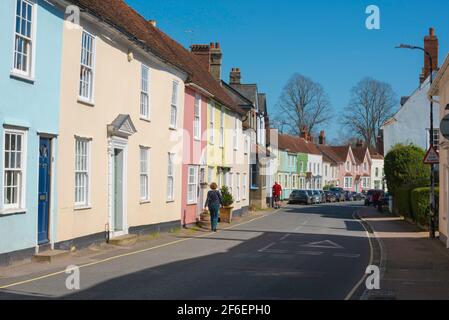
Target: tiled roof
point(128, 21)
point(297, 145)
point(359, 154)
point(338, 154)
point(375, 155)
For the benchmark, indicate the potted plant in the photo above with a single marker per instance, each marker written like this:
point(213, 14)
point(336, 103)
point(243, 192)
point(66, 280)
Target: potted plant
point(226, 209)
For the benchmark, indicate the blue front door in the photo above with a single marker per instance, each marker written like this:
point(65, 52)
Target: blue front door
point(44, 190)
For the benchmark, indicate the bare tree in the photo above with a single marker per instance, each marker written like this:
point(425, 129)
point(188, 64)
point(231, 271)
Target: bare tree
point(303, 103)
point(372, 104)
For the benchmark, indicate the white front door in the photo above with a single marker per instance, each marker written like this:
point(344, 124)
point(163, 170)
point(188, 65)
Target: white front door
point(117, 187)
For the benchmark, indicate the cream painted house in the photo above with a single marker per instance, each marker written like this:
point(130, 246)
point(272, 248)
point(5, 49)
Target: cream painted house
point(120, 150)
point(440, 92)
point(228, 154)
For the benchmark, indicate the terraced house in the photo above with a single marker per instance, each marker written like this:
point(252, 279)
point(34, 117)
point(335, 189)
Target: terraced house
point(292, 159)
point(122, 119)
point(226, 152)
point(255, 124)
point(30, 69)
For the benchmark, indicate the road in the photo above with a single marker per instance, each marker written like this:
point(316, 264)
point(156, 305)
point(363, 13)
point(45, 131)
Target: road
point(300, 252)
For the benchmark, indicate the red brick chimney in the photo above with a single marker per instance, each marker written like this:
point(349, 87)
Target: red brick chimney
point(322, 138)
point(305, 133)
point(431, 46)
point(235, 76)
point(210, 56)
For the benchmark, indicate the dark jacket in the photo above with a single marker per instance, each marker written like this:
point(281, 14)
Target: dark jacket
point(214, 198)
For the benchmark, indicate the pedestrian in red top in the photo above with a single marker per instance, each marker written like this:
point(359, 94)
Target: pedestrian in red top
point(277, 192)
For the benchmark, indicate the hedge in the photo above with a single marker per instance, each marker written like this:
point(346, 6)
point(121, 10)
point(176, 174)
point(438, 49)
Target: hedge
point(402, 202)
point(420, 203)
point(404, 167)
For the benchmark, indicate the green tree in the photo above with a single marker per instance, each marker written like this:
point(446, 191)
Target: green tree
point(404, 167)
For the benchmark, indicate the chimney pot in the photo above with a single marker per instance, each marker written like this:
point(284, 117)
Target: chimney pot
point(212, 45)
point(235, 76)
point(152, 22)
point(431, 46)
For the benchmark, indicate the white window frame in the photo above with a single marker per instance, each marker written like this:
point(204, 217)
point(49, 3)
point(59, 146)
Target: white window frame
point(245, 186)
point(30, 41)
point(222, 127)
point(145, 110)
point(90, 98)
point(210, 174)
point(197, 118)
point(171, 178)
point(239, 187)
point(236, 134)
point(212, 123)
point(86, 171)
point(21, 188)
point(192, 185)
point(174, 105)
point(145, 194)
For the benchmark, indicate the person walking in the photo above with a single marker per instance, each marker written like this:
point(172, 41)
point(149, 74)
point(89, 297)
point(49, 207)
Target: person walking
point(214, 201)
point(277, 192)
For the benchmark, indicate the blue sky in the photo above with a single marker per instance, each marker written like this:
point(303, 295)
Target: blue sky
point(325, 40)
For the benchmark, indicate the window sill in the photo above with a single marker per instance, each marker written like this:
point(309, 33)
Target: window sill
point(170, 201)
point(142, 202)
point(86, 102)
point(172, 128)
point(10, 212)
point(82, 208)
point(22, 77)
point(145, 119)
point(192, 203)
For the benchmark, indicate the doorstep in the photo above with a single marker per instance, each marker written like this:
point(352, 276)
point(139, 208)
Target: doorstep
point(124, 241)
point(50, 256)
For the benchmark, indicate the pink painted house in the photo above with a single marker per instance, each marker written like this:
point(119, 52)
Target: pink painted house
point(353, 166)
point(362, 181)
point(194, 159)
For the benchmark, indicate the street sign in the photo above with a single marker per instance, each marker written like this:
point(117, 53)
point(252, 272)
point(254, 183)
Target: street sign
point(432, 156)
point(444, 127)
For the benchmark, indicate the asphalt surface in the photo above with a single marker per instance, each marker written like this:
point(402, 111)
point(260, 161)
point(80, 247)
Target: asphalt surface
point(300, 252)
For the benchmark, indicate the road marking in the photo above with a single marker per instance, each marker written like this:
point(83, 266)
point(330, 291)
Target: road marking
point(130, 254)
point(267, 247)
point(309, 253)
point(347, 255)
point(371, 259)
point(285, 237)
point(274, 251)
point(327, 244)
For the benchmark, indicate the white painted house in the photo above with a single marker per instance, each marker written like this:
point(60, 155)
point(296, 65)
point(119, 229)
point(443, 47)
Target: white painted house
point(411, 124)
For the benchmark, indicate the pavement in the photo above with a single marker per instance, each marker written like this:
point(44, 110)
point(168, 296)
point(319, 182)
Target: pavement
point(413, 266)
point(296, 253)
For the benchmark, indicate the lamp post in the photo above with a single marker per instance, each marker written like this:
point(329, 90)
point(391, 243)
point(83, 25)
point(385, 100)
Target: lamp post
point(432, 167)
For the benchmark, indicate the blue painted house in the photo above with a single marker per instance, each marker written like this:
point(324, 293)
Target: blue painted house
point(30, 60)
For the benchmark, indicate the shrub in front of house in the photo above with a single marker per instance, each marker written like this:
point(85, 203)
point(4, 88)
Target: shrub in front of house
point(404, 167)
point(420, 203)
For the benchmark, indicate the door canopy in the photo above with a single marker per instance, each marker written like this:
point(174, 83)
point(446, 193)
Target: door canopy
point(122, 126)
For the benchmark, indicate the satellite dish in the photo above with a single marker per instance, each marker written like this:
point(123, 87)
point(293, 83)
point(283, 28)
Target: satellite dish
point(444, 127)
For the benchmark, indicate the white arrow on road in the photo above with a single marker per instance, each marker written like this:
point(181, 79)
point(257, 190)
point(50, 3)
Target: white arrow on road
point(327, 244)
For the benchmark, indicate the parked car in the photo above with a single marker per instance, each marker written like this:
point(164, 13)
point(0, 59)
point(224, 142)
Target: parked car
point(323, 196)
point(349, 196)
point(315, 198)
point(339, 193)
point(300, 197)
point(318, 196)
point(357, 196)
point(330, 196)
